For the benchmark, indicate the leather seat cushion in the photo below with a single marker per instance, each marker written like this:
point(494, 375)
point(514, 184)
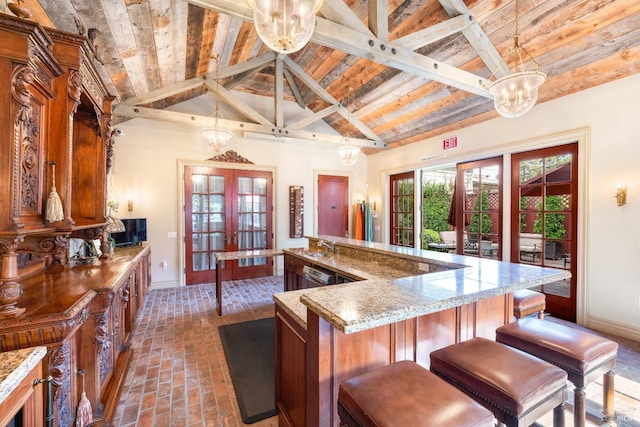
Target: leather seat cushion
point(406, 394)
point(525, 299)
point(505, 377)
point(569, 348)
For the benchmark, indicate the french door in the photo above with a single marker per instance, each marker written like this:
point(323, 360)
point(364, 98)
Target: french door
point(544, 194)
point(479, 206)
point(402, 223)
point(227, 210)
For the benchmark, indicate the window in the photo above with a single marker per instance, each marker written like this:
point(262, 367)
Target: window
point(402, 224)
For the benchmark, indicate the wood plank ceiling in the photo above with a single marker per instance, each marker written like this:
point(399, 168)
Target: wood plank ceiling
point(418, 73)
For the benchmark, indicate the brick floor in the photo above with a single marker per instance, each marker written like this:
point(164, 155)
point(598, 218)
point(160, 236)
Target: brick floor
point(179, 375)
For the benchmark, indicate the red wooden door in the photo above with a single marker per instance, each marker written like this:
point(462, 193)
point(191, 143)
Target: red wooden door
point(226, 210)
point(544, 224)
point(333, 205)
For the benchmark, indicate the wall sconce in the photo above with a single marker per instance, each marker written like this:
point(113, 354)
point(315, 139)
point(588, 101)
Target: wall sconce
point(621, 194)
point(130, 205)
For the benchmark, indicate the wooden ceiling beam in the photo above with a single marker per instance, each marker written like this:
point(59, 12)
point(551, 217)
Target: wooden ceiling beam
point(131, 111)
point(314, 117)
point(294, 88)
point(435, 32)
point(241, 67)
point(363, 44)
point(279, 94)
point(379, 19)
point(477, 38)
point(166, 92)
point(337, 11)
point(239, 105)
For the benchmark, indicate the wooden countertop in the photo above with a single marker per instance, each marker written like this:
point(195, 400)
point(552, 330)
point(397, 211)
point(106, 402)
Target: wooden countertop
point(380, 300)
point(57, 295)
point(15, 366)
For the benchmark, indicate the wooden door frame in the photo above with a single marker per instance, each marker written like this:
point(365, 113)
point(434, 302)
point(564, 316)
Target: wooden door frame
point(349, 175)
point(181, 165)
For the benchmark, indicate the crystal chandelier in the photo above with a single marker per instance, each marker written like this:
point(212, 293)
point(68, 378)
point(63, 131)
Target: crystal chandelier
point(347, 152)
point(285, 25)
point(515, 94)
point(216, 140)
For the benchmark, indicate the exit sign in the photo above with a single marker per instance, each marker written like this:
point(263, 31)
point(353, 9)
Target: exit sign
point(450, 143)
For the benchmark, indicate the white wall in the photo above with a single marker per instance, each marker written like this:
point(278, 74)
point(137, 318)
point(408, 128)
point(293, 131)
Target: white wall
point(610, 114)
point(146, 169)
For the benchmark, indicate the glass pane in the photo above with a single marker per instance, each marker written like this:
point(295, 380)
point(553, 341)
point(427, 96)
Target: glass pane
point(200, 242)
point(260, 186)
point(561, 288)
point(554, 225)
point(530, 248)
point(260, 240)
point(531, 170)
point(259, 221)
point(199, 222)
point(216, 222)
point(558, 168)
point(216, 184)
point(198, 183)
point(244, 221)
point(200, 261)
point(244, 185)
point(244, 203)
point(262, 200)
point(216, 203)
point(244, 241)
point(199, 203)
point(217, 242)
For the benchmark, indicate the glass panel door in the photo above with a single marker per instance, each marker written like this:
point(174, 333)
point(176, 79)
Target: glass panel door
point(226, 210)
point(402, 228)
point(544, 190)
point(480, 204)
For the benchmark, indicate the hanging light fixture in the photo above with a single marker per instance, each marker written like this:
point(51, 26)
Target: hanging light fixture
point(216, 140)
point(515, 94)
point(285, 25)
point(347, 152)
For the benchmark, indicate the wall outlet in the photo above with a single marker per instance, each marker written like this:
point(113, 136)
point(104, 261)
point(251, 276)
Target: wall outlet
point(423, 267)
point(164, 265)
point(172, 234)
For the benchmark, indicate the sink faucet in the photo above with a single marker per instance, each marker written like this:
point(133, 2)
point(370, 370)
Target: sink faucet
point(329, 245)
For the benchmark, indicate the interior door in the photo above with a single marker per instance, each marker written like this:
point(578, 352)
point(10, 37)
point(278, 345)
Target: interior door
point(544, 194)
point(479, 205)
point(226, 210)
point(333, 205)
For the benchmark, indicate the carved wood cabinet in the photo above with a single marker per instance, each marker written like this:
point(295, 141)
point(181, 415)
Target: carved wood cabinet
point(56, 132)
point(55, 128)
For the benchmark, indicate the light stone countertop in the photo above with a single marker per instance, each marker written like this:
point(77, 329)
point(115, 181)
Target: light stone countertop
point(15, 366)
point(377, 301)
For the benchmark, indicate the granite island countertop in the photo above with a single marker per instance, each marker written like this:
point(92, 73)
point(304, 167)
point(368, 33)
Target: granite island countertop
point(384, 298)
point(15, 366)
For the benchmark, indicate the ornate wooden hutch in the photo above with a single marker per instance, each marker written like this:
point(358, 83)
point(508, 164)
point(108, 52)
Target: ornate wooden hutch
point(55, 116)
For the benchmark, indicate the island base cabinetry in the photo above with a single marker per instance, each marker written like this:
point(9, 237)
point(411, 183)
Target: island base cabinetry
point(311, 363)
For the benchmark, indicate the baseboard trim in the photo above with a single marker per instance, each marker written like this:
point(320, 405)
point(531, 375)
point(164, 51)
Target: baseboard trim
point(164, 285)
point(614, 328)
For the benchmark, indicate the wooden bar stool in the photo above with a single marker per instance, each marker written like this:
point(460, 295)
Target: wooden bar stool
point(583, 355)
point(517, 387)
point(406, 394)
point(526, 302)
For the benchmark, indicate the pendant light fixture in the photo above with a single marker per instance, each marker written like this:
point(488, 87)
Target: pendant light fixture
point(347, 152)
point(216, 140)
point(285, 26)
point(515, 94)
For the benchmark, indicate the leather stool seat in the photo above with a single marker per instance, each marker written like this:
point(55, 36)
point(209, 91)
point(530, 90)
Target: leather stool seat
point(583, 355)
point(517, 387)
point(526, 302)
point(406, 394)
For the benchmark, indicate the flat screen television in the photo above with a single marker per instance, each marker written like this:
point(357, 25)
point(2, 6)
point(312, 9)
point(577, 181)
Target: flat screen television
point(135, 232)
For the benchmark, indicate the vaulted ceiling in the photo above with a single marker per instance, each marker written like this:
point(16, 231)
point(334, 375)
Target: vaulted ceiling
point(398, 71)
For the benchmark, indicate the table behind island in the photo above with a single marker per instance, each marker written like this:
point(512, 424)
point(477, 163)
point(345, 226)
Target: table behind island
point(352, 328)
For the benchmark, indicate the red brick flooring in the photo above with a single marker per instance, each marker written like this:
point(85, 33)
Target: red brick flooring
point(179, 375)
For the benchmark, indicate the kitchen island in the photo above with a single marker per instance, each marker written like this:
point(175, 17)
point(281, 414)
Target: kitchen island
point(409, 303)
